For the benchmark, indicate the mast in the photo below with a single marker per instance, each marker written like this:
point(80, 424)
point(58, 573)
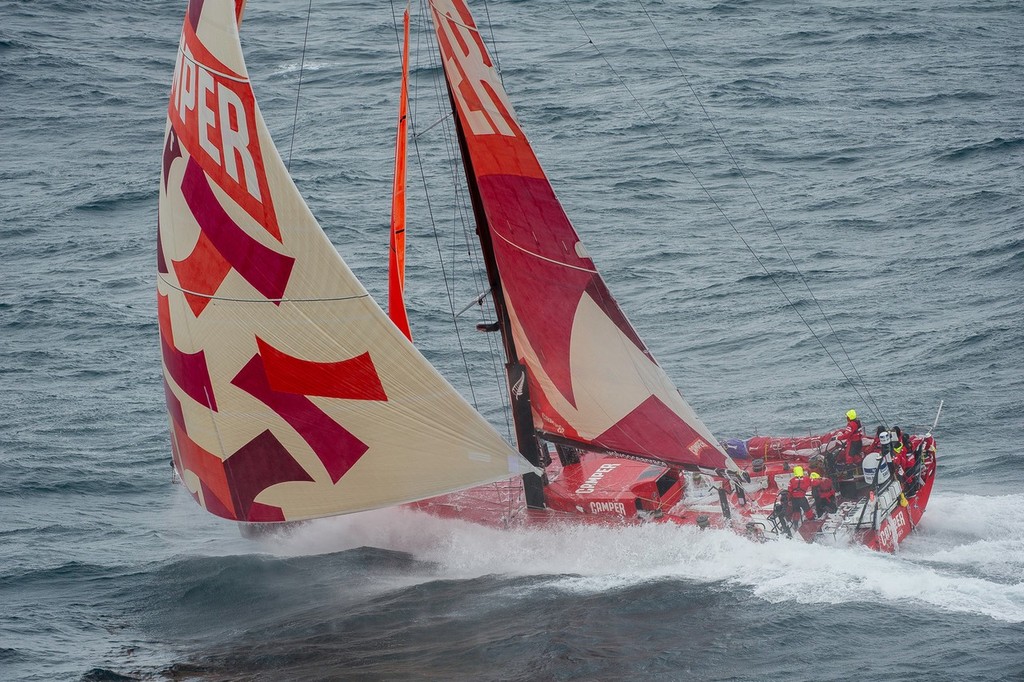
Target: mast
point(515, 371)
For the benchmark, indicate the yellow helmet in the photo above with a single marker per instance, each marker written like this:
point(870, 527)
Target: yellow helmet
point(815, 475)
point(798, 471)
point(851, 415)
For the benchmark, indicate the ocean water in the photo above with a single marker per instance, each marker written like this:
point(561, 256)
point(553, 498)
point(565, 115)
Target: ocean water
point(885, 142)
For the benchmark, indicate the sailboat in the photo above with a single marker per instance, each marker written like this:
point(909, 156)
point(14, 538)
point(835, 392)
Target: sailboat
point(292, 395)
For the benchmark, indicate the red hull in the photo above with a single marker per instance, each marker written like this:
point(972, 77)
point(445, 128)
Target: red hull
point(606, 490)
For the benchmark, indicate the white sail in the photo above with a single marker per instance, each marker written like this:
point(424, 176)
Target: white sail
point(291, 394)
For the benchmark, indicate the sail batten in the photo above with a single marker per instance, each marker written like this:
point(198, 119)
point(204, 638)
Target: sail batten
point(310, 402)
point(591, 378)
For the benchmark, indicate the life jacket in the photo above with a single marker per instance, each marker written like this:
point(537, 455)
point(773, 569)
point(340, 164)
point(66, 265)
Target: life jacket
point(798, 487)
point(899, 452)
point(822, 488)
point(854, 430)
point(906, 459)
point(853, 434)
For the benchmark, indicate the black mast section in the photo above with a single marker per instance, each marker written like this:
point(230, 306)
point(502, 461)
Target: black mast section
point(519, 390)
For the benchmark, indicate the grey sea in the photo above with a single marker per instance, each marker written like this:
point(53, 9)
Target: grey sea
point(884, 141)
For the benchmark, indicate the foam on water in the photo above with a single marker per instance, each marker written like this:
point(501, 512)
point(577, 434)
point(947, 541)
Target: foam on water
point(929, 571)
point(974, 535)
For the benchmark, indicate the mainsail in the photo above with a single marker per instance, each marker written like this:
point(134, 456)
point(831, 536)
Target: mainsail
point(291, 395)
point(396, 258)
point(592, 380)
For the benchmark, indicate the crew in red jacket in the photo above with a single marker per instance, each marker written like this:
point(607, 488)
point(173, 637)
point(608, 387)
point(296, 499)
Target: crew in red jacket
point(852, 435)
point(798, 487)
point(903, 458)
point(824, 494)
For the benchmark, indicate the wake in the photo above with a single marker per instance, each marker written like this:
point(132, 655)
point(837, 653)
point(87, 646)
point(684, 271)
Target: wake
point(967, 556)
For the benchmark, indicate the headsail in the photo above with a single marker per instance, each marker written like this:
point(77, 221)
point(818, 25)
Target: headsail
point(290, 393)
point(591, 379)
point(396, 259)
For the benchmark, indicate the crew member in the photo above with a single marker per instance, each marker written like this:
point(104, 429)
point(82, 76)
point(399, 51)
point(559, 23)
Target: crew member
point(780, 514)
point(824, 494)
point(908, 445)
point(899, 449)
point(798, 486)
point(903, 458)
point(853, 435)
point(883, 439)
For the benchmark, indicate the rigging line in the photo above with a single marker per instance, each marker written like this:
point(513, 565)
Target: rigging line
point(473, 254)
point(275, 301)
point(711, 198)
point(220, 74)
point(444, 103)
point(764, 212)
point(298, 89)
point(483, 314)
point(486, 313)
point(494, 42)
point(394, 23)
point(435, 124)
point(477, 270)
point(440, 257)
point(563, 53)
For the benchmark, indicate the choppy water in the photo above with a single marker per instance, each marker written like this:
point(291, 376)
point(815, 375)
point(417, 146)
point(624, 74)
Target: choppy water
point(886, 143)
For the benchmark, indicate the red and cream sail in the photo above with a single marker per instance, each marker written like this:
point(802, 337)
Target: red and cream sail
point(591, 378)
point(396, 252)
point(290, 393)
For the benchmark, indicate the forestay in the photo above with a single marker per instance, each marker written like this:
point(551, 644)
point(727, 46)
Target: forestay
point(591, 379)
point(290, 393)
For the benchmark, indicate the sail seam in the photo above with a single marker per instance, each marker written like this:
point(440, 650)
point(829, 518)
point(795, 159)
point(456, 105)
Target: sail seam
point(540, 257)
point(211, 69)
point(213, 297)
point(455, 21)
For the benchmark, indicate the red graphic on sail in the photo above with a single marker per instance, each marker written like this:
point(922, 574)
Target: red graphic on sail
point(207, 467)
point(213, 112)
point(653, 429)
point(254, 467)
point(172, 151)
point(161, 263)
point(223, 245)
point(195, 10)
point(201, 273)
point(354, 379)
point(188, 370)
point(543, 275)
point(230, 486)
point(334, 445)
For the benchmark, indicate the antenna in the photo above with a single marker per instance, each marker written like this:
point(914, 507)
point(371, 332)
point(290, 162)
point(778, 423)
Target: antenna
point(937, 413)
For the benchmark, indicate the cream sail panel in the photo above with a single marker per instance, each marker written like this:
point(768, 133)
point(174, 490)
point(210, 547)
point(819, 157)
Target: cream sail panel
point(605, 359)
point(290, 393)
